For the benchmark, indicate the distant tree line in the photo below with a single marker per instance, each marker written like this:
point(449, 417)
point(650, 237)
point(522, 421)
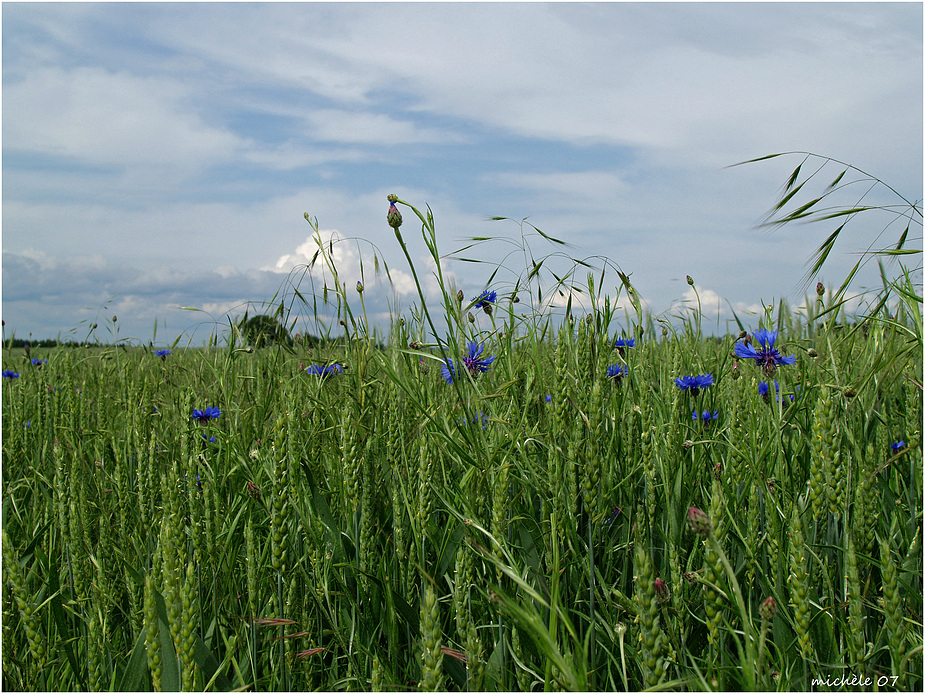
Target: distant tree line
point(16, 342)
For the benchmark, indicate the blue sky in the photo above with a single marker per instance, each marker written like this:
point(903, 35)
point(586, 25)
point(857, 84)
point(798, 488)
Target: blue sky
point(157, 156)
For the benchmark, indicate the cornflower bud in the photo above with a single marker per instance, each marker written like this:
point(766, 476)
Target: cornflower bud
point(662, 594)
point(359, 287)
point(471, 317)
point(820, 289)
point(394, 216)
point(768, 609)
point(460, 296)
point(690, 280)
point(699, 522)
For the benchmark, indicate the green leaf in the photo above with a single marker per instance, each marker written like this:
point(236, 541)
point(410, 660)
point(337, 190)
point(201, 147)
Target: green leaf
point(135, 676)
point(57, 612)
point(170, 667)
point(208, 665)
point(449, 549)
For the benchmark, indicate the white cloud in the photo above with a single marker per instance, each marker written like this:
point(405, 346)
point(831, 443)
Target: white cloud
point(270, 105)
point(579, 189)
point(371, 128)
point(315, 253)
point(99, 117)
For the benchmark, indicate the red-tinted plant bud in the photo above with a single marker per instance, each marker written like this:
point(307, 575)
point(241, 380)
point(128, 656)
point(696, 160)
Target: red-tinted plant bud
point(820, 289)
point(662, 594)
point(699, 521)
point(394, 216)
point(768, 609)
point(690, 280)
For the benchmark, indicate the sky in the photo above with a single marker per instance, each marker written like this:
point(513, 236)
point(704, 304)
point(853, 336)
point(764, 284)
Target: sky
point(159, 158)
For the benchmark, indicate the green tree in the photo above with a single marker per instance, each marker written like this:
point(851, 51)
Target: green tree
point(263, 330)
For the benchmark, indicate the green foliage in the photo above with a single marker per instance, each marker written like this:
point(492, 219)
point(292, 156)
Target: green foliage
point(378, 528)
point(262, 330)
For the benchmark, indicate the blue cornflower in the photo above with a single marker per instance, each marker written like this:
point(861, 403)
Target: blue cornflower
point(694, 383)
point(613, 516)
point(473, 361)
point(764, 391)
point(480, 418)
point(766, 357)
point(615, 372)
point(548, 398)
point(10, 374)
point(39, 362)
point(203, 416)
point(211, 439)
point(162, 353)
point(324, 371)
point(898, 446)
point(485, 301)
point(621, 343)
point(707, 416)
